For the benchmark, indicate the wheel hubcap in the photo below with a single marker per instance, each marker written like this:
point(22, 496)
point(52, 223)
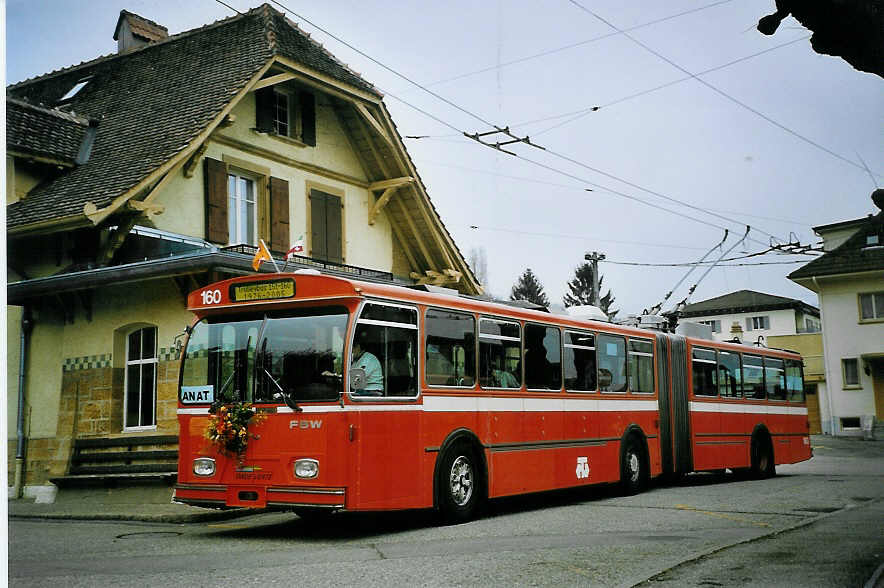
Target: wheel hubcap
point(633, 464)
point(461, 481)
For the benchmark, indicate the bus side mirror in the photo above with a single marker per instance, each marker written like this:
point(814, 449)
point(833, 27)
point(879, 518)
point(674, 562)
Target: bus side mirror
point(357, 379)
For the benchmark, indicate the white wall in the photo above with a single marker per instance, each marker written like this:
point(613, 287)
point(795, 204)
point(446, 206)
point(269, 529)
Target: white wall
point(782, 322)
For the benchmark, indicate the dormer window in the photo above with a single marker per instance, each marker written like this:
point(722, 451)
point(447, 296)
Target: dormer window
point(873, 240)
point(286, 112)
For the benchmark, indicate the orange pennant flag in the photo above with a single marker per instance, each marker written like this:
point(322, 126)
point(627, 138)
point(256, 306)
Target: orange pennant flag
point(262, 255)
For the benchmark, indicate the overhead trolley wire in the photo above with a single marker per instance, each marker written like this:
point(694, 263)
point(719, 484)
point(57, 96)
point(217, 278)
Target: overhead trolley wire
point(578, 114)
point(574, 45)
point(549, 168)
point(720, 91)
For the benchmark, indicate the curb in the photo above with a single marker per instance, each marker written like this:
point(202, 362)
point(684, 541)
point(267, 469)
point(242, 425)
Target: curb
point(184, 518)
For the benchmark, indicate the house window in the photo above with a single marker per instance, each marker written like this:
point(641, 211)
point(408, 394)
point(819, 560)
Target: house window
point(714, 325)
point(283, 115)
point(241, 218)
point(755, 323)
point(141, 379)
point(871, 306)
point(850, 371)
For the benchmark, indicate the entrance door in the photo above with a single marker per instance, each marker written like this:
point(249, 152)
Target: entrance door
point(878, 386)
point(813, 408)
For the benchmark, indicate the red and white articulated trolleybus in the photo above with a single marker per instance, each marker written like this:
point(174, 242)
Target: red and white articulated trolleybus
point(378, 397)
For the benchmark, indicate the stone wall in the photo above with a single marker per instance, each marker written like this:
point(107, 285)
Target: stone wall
point(90, 407)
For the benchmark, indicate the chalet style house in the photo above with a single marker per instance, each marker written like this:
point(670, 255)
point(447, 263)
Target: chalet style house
point(140, 176)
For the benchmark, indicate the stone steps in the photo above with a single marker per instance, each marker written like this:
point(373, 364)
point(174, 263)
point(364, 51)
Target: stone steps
point(121, 460)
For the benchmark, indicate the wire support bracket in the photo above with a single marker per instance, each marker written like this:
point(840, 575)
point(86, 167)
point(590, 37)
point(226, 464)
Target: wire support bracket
point(505, 131)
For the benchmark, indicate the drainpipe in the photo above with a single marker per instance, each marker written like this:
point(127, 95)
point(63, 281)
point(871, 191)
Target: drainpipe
point(26, 325)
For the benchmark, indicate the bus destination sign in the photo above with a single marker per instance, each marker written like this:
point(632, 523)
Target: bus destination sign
point(265, 290)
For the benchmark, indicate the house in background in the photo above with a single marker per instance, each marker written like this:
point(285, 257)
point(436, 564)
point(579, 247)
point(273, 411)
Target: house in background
point(140, 176)
point(757, 315)
point(849, 280)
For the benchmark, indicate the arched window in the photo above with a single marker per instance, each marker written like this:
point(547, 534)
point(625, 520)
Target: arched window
point(140, 400)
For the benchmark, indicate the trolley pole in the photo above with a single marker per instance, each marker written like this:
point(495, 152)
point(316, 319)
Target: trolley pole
point(594, 258)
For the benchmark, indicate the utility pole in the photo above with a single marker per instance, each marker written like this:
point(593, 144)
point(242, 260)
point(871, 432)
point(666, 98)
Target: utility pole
point(594, 259)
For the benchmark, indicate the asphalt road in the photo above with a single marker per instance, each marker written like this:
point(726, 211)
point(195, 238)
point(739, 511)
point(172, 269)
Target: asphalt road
point(820, 523)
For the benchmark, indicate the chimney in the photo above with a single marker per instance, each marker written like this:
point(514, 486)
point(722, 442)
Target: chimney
point(134, 31)
point(736, 331)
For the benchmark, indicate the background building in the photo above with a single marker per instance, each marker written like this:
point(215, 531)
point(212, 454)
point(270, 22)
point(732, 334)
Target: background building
point(756, 313)
point(849, 280)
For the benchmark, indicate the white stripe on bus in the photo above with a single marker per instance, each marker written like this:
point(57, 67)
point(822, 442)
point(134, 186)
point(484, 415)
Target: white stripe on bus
point(475, 404)
point(746, 408)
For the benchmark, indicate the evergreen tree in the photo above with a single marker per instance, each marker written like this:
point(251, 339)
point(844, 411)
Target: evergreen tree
point(581, 290)
point(529, 288)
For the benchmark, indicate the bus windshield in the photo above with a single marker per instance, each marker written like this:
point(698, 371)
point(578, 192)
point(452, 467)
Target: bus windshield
point(265, 358)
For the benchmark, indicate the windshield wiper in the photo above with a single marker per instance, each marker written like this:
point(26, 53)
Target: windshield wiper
point(289, 399)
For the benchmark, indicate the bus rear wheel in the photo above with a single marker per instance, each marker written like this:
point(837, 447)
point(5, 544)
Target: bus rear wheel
point(763, 465)
point(459, 484)
point(634, 473)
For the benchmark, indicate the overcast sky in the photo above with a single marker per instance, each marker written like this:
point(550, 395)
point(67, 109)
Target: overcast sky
point(773, 141)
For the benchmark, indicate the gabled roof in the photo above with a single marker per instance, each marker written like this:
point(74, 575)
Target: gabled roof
point(745, 301)
point(152, 102)
point(44, 134)
point(853, 256)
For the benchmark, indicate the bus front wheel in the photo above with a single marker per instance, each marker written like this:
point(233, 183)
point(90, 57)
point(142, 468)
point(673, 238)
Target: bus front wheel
point(459, 485)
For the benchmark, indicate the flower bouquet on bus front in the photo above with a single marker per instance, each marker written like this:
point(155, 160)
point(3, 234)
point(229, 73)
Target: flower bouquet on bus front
point(228, 428)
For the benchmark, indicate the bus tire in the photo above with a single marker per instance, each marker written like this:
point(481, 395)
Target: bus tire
point(763, 465)
point(459, 486)
point(634, 472)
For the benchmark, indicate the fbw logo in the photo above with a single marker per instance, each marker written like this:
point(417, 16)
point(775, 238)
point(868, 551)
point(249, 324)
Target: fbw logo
point(582, 467)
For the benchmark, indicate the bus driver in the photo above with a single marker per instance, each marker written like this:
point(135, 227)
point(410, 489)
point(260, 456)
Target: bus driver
point(374, 375)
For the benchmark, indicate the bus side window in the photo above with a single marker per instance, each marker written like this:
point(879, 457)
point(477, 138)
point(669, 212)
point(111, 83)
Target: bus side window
point(500, 347)
point(730, 376)
point(641, 366)
point(753, 377)
point(775, 378)
point(579, 362)
point(387, 334)
point(705, 372)
point(450, 348)
point(543, 361)
point(794, 380)
point(612, 363)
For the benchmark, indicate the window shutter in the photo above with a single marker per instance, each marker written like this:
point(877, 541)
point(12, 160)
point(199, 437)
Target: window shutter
point(308, 117)
point(317, 225)
point(216, 201)
point(264, 109)
point(279, 215)
point(334, 250)
point(748, 323)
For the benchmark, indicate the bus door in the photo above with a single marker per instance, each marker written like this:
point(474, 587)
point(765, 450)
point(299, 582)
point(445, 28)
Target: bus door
point(384, 425)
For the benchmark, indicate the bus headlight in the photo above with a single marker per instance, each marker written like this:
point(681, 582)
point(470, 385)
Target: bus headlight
point(204, 466)
point(306, 468)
